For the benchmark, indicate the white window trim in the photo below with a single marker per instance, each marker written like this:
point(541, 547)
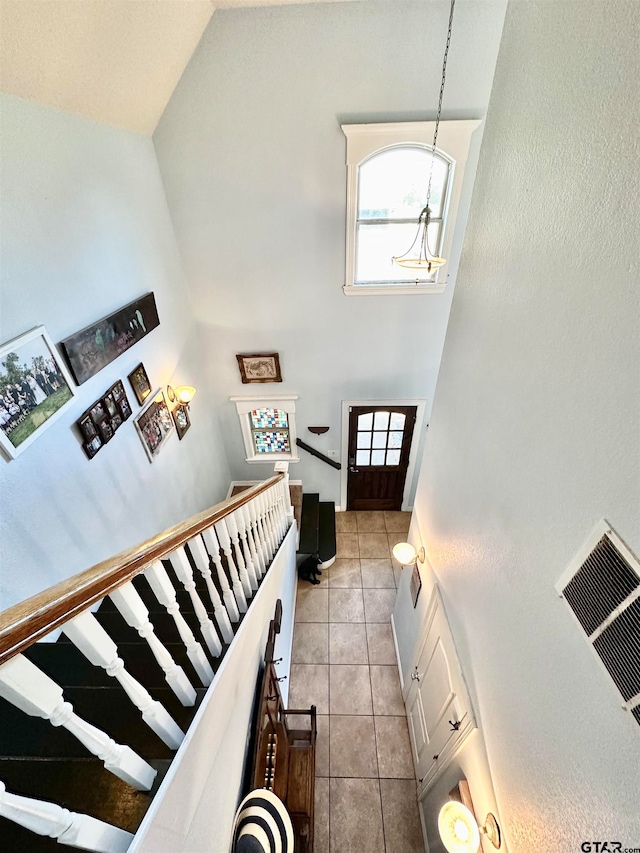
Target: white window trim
point(363, 140)
point(244, 407)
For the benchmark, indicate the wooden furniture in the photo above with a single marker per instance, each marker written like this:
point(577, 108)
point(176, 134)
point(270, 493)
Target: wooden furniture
point(285, 752)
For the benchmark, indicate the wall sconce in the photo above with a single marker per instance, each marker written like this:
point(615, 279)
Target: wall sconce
point(458, 827)
point(184, 394)
point(407, 555)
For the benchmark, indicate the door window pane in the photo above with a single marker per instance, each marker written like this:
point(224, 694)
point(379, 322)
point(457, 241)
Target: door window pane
point(395, 439)
point(377, 457)
point(365, 421)
point(362, 457)
point(393, 457)
point(380, 439)
point(381, 420)
point(397, 420)
point(364, 439)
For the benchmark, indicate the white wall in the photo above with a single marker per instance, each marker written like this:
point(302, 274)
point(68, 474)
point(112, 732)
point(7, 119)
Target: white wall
point(534, 433)
point(253, 160)
point(85, 229)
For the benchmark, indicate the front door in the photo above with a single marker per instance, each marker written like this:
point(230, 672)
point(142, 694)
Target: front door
point(379, 447)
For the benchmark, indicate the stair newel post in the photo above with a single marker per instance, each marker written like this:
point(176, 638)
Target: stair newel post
point(136, 615)
point(286, 491)
point(225, 543)
point(213, 547)
point(88, 635)
point(164, 591)
point(72, 828)
point(201, 559)
point(34, 693)
point(261, 543)
point(237, 532)
point(184, 572)
point(255, 555)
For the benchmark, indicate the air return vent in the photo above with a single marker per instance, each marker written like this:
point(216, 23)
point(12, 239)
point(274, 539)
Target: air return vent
point(602, 589)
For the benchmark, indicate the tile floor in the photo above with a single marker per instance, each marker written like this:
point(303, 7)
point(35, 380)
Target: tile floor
point(344, 663)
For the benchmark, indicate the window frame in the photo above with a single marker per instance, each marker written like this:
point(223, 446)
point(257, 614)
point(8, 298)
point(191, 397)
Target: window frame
point(244, 407)
point(366, 140)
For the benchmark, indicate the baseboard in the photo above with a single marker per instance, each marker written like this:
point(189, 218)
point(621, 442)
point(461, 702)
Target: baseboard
point(395, 645)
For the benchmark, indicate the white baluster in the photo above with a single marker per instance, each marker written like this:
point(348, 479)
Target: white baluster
point(213, 546)
point(96, 645)
point(253, 510)
point(270, 497)
point(252, 568)
point(136, 615)
point(243, 570)
point(182, 568)
point(201, 559)
point(225, 542)
point(256, 557)
point(34, 693)
point(163, 590)
point(76, 830)
point(281, 510)
point(268, 527)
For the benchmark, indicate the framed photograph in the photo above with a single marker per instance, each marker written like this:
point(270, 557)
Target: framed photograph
point(154, 424)
point(140, 383)
point(110, 404)
point(259, 367)
point(116, 422)
point(93, 446)
point(181, 420)
point(87, 427)
point(118, 391)
point(35, 389)
point(125, 408)
point(105, 430)
point(98, 412)
point(97, 345)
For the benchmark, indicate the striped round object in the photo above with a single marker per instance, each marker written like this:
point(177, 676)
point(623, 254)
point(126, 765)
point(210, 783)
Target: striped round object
point(262, 825)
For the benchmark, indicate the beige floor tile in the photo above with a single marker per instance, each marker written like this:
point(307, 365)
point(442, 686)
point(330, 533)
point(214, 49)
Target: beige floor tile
point(322, 745)
point(312, 605)
point(347, 545)
point(346, 605)
point(397, 522)
point(356, 816)
point(373, 545)
point(309, 686)
point(371, 522)
point(385, 689)
point(353, 747)
point(401, 819)
point(380, 644)
point(346, 522)
point(394, 750)
point(349, 689)
point(378, 604)
point(348, 643)
point(377, 574)
point(310, 643)
point(321, 817)
point(345, 574)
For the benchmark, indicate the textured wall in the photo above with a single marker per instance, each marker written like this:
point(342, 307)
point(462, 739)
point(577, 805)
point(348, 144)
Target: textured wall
point(253, 160)
point(85, 229)
point(534, 433)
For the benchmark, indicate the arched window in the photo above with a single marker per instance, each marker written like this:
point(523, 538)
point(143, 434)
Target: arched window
point(392, 189)
point(388, 168)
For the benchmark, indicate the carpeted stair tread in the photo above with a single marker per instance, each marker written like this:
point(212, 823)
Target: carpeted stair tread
point(327, 531)
point(309, 525)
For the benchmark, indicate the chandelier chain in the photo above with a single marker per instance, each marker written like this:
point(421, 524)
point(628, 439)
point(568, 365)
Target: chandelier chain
point(444, 75)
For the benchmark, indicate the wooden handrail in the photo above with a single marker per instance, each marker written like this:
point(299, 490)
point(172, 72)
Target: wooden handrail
point(34, 618)
point(318, 454)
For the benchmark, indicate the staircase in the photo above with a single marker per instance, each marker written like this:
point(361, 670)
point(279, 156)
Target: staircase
point(318, 529)
point(135, 672)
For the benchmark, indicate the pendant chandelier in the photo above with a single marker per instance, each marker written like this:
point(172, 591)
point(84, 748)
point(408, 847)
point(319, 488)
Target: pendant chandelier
point(419, 255)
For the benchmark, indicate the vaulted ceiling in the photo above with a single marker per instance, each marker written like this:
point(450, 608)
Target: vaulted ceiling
point(115, 61)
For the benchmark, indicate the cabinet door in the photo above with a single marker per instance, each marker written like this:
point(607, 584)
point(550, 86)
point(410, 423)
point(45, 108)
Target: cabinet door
point(438, 707)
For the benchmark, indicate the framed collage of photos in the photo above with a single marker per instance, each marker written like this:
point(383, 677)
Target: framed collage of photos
point(155, 424)
point(99, 424)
